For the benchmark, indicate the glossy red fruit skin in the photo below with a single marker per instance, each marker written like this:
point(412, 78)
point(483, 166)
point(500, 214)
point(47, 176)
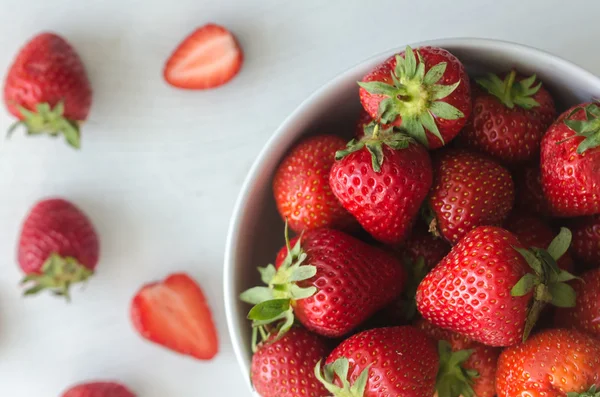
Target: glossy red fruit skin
point(57, 226)
point(468, 292)
point(403, 361)
point(571, 181)
point(585, 316)
point(285, 368)
point(301, 186)
point(483, 359)
point(353, 281)
point(511, 136)
point(534, 232)
point(98, 389)
point(460, 98)
point(528, 190)
point(469, 190)
point(385, 203)
point(586, 239)
point(550, 363)
point(48, 70)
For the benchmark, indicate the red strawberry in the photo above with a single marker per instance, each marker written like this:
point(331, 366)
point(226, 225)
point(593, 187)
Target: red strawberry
point(382, 181)
point(469, 190)
point(570, 162)
point(174, 313)
point(47, 88)
point(552, 363)
point(528, 190)
point(330, 281)
point(285, 367)
point(207, 58)
point(509, 117)
point(58, 247)
point(482, 288)
point(426, 91)
point(533, 232)
point(301, 186)
point(585, 316)
point(98, 389)
point(586, 239)
point(467, 368)
point(394, 361)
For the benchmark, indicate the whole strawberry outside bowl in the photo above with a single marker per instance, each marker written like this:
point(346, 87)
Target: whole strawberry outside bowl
point(256, 228)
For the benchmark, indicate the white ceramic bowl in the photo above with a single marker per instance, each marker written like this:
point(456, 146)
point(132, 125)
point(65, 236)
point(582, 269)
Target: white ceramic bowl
point(256, 230)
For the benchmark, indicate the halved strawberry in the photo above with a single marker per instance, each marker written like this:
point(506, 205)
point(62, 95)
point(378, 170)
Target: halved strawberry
point(174, 314)
point(207, 58)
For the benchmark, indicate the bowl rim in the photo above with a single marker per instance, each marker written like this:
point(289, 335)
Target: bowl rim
point(234, 233)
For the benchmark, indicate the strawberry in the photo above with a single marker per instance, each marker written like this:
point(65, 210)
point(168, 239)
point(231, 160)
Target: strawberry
point(47, 89)
point(382, 180)
point(58, 247)
point(529, 195)
point(570, 162)
point(98, 389)
point(585, 316)
point(534, 232)
point(469, 190)
point(209, 57)
point(174, 313)
point(555, 362)
point(425, 91)
point(482, 288)
point(330, 281)
point(301, 186)
point(467, 368)
point(509, 118)
point(586, 239)
point(394, 361)
point(285, 367)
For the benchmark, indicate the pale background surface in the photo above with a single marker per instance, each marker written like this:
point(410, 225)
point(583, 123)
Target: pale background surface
point(160, 168)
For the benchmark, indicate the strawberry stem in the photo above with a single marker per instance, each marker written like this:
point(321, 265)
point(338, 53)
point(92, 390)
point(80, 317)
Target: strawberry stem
point(57, 275)
point(51, 121)
point(453, 380)
point(547, 281)
point(508, 85)
point(509, 91)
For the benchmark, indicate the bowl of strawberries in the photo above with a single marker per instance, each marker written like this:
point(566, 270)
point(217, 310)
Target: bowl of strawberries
point(433, 229)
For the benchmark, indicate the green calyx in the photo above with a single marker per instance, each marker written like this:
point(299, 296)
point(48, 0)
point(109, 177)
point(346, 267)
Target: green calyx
point(339, 368)
point(588, 128)
point(416, 273)
point(51, 121)
point(374, 139)
point(415, 96)
point(591, 392)
point(452, 379)
point(57, 275)
point(273, 304)
point(511, 92)
point(547, 281)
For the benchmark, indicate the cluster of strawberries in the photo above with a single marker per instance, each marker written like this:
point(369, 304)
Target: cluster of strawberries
point(48, 91)
point(434, 247)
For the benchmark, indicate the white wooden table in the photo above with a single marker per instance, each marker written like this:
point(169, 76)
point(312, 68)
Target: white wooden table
point(160, 168)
